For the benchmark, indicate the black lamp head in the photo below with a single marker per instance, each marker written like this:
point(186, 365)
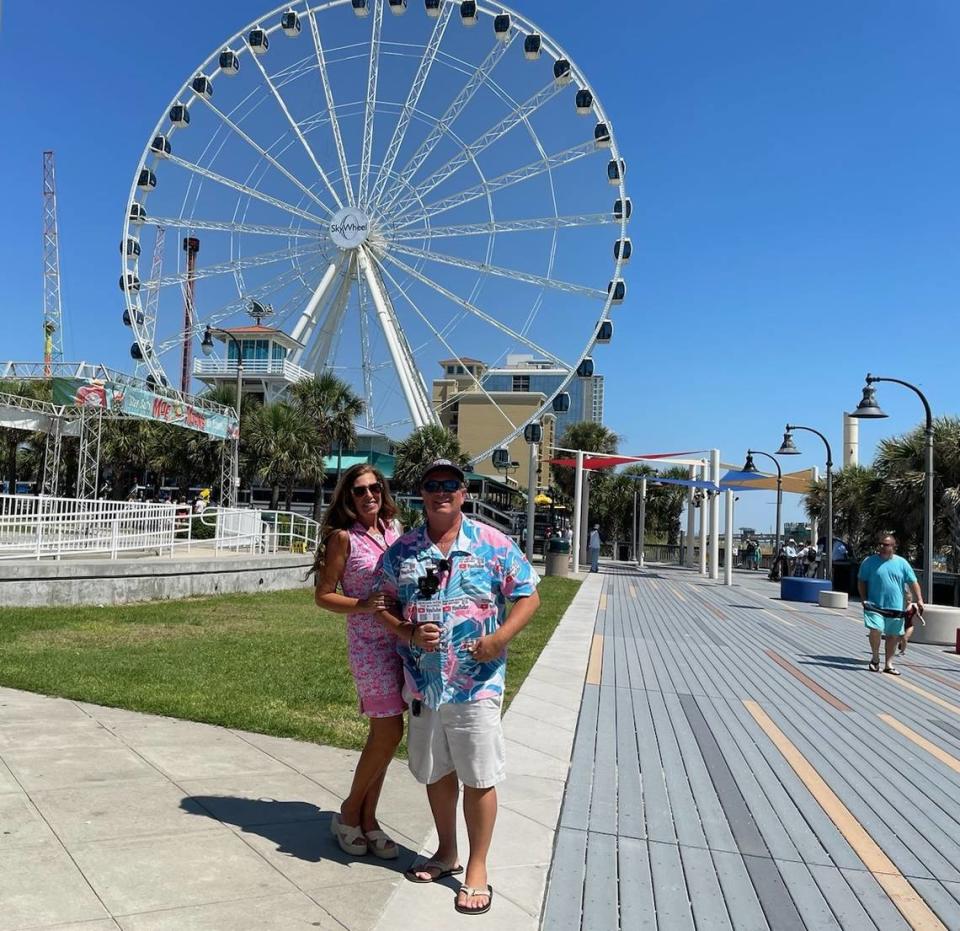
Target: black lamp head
point(206, 344)
point(787, 447)
point(748, 466)
point(868, 409)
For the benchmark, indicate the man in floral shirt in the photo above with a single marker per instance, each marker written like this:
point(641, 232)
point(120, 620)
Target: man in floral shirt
point(451, 580)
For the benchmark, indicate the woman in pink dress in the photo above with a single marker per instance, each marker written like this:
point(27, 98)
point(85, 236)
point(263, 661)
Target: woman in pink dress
point(358, 528)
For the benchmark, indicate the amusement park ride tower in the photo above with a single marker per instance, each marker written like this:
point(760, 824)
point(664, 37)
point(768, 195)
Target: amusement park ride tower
point(52, 322)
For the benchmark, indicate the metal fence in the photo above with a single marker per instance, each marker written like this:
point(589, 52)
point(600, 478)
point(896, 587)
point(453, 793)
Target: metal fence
point(37, 527)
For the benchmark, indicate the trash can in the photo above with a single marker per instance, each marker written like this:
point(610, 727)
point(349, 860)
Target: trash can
point(558, 557)
point(845, 576)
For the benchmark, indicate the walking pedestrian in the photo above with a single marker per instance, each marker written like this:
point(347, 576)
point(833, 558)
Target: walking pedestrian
point(593, 548)
point(882, 581)
point(757, 555)
point(451, 579)
point(358, 528)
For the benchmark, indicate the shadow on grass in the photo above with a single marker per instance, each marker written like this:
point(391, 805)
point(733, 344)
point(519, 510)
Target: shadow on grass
point(299, 829)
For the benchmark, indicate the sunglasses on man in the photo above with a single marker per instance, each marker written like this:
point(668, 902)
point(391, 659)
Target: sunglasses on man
point(434, 485)
point(375, 488)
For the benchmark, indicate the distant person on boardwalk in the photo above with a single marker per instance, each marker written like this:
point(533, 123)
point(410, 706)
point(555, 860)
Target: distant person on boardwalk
point(451, 579)
point(757, 554)
point(882, 581)
point(358, 528)
point(593, 548)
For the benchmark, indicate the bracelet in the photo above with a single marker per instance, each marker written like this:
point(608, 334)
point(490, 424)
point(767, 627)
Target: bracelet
point(413, 630)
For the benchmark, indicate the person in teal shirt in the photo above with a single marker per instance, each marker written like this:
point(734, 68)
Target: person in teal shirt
point(882, 581)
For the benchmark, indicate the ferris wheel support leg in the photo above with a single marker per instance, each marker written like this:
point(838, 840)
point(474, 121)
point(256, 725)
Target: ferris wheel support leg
point(308, 317)
point(319, 356)
point(411, 383)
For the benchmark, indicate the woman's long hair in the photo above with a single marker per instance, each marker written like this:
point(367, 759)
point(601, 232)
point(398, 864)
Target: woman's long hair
point(342, 514)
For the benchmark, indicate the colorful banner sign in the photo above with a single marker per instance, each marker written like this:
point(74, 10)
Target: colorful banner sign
point(139, 402)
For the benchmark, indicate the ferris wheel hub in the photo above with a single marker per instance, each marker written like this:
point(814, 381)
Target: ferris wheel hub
point(349, 228)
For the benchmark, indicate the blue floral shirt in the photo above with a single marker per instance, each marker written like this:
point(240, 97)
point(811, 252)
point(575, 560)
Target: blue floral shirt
point(485, 570)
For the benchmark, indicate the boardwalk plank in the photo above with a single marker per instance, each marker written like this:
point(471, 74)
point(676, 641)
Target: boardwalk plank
point(600, 895)
point(563, 906)
point(706, 899)
point(669, 888)
point(743, 906)
point(630, 821)
point(637, 909)
point(576, 798)
point(603, 799)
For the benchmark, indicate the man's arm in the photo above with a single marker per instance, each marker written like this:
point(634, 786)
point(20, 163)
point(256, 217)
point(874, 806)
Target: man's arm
point(917, 594)
point(492, 645)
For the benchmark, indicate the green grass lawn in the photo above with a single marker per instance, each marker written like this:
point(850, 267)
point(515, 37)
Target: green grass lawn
point(272, 662)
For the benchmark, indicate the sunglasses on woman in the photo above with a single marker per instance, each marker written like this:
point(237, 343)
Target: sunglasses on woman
point(375, 488)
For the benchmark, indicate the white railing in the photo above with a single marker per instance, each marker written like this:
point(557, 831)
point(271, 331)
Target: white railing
point(223, 368)
point(39, 526)
point(34, 527)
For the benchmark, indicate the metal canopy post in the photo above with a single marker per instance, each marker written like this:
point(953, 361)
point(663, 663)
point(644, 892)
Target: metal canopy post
point(728, 537)
point(643, 520)
point(715, 514)
point(577, 506)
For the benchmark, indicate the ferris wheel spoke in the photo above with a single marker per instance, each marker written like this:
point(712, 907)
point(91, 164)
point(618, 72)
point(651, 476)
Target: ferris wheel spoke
point(237, 306)
point(365, 351)
point(264, 154)
point(411, 381)
point(321, 352)
point(474, 83)
point(234, 265)
point(246, 189)
point(471, 151)
point(331, 108)
point(512, 273)
point(413, 98)
point(225, 226)
point(295, 126)
point(506, 180)
point(507, 226)
point(475, 311)
point(444, 343)
point(371, 107)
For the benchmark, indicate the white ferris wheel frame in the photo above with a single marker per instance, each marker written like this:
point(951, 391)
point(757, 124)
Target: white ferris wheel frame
point(370, 269)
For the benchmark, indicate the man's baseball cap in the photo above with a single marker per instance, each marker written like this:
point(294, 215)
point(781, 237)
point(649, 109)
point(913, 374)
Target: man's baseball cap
point(439, 464)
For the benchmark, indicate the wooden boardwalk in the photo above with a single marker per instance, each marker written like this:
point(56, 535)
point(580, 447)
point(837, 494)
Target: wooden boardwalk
point(736, 765)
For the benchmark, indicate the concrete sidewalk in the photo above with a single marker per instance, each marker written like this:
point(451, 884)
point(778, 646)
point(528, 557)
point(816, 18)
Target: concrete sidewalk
point(114, 819)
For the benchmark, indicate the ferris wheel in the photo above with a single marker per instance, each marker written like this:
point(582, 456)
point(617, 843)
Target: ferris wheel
point(402, 188)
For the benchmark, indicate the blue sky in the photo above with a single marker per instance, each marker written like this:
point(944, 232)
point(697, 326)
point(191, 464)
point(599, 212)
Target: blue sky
point(793, 170)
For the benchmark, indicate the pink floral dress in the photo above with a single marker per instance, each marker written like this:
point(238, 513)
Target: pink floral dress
point(372, 649)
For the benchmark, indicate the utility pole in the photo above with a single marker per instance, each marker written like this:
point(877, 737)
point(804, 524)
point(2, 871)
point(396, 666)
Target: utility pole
point(52, 317)
point(191, 245)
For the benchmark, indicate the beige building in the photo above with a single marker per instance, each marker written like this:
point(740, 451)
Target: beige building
point(481, 420)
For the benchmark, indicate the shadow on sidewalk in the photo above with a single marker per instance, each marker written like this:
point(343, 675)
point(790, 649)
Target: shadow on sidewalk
point(299, 829)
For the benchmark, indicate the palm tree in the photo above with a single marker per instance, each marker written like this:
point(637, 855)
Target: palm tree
point(590, 437)
point(131, 447)
point(283, 446)
point(333, 408)
point(11, 438)
point(421, 448)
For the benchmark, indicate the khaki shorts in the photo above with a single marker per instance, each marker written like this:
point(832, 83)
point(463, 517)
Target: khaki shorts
point(465, 738)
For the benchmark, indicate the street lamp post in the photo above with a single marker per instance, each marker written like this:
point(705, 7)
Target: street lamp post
point(206, 346)
point(868, 409)
point(748, 466)
point(788, 449)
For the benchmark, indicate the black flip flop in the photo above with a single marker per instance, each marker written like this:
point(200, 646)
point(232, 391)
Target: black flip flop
point(874, 665)
point(411, 874)
point(469, 890)
point(890, 671)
